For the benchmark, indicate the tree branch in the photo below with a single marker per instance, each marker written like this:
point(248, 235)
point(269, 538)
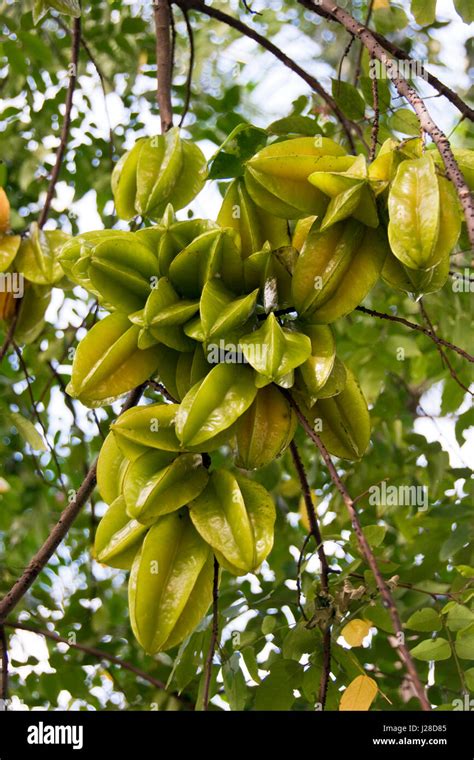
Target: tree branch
point(404, 89)
point(59, 531)
point(413, 326)
point(401, 54)
point(162, 16)
point(444, 359)
point(316, 533)
point(375, 126)
point(76, 39)
point(368, 554)
point(247, 31)
point(99, 653)
point(189, 78)
point(214, 636)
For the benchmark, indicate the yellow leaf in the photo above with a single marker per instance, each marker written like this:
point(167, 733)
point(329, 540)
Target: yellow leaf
point(381, 4)
point(356, 631)
point(359, 695)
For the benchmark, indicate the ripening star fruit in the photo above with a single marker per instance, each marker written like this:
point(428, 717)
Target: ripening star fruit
point(235, 516)
point(336, 269)
point(4, 211)
point(277, 176)
point(157, 171)
point(254, 225)
point(108, 362)
point(158, 482)
point(38, 256)
point(342, 421)
point(118, 537)
point(170, 585)
point(425, 222)
point(265, 430)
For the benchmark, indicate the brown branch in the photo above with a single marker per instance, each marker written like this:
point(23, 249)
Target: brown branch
point(316, 533)
point(162, 16)
point(247, 31)
point(358, 68)
point(375, 126)
point(401, 54)
point(442, 88)
point(214, 636)
point(453, 171)
point(189, 78)
point(103, 78)
point(99, 653)
point(368, 554)
point(414, 326)
point(59, 531)
point(160, 388)
point(76, 38)
point(444, 359)
point(298, 575)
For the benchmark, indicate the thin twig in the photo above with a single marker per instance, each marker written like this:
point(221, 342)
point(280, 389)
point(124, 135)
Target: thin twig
point(214, 636)
point(444, 359)
point(375, 126)
point(298, 575)
point(414, 326)
point(316, 533)
point(247, 31)
point(76, 38)
point(99, 653)
point(162, 16)
point(358, 68)
point(453, 171)
point(189, 78)
point(160, 388)
point(368, 554)
point(398, 52)
point(59, 531)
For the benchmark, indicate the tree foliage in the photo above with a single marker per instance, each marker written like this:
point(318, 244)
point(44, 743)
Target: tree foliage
point(272, 625)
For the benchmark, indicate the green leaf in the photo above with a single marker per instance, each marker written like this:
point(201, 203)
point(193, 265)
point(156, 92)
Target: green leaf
point(432, 649)
point(27, 431)
point(426, 620)
point(242, 143)
point(465, 8)
point(375, 534)
point(459, 617)
point(234, 683)
point(268, 624)
point(465, 643)
point(454, 543)
point(299, 641)
point(424, 11)
point(297, 125)
point(276, 691)
point(405, 121)
point(348, 98)
point(469, 676)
